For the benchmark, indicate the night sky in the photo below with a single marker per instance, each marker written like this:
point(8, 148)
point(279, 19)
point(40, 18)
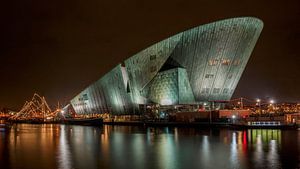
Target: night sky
point(57, 48)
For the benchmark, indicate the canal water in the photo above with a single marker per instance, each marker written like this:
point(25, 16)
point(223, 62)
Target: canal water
point(51, 146)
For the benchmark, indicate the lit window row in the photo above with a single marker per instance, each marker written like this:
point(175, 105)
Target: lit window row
point(215, 90)
point(209, 76)
point(226, 62)
point(264, 123)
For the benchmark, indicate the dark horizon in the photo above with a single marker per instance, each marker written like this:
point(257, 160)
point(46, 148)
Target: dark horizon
point(56, 49)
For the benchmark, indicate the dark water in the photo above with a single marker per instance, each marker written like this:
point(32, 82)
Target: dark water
point(27, 146)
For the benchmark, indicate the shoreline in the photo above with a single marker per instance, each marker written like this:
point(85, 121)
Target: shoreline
point(167, 124)
point(199, 124)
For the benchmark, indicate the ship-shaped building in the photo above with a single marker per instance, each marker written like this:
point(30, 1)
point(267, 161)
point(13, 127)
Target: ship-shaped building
point(196, 66)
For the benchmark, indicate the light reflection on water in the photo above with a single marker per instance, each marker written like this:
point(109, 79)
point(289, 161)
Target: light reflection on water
point(64, 155)
point(80, 147)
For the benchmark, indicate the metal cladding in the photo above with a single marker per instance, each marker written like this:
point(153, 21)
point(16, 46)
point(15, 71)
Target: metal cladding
point(209, 59)
point(169, 87)
point(107, 95)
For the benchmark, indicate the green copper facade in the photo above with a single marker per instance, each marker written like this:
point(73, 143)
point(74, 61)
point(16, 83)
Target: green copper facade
point(201, 64)
point(216, 54)
point(169, 87)
point(107, 95)
point(143, 66)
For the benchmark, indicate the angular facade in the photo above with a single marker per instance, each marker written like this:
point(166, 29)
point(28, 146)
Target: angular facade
point(198, 65)
point(107, 95)
point(169, 87)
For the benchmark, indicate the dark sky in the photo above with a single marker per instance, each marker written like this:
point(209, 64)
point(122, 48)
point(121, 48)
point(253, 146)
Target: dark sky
point(57, 48)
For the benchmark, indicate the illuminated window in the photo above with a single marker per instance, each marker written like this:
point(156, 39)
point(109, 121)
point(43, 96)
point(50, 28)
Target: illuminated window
point(225, 61)
point(213, 62)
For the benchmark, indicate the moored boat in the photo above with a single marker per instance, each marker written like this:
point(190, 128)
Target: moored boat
point(84, 121)
point(265, 125)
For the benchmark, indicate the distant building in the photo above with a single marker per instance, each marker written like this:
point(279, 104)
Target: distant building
point(235, 113)
point(193, 67)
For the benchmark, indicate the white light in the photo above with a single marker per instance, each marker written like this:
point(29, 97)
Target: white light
point(233, 116)
point(271, 101)
point(204, 104)
point(62, 111)
point(257, 100)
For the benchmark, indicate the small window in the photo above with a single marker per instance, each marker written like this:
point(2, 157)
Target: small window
point(152, 57)
point(225, 61)
point(84, 97)
point(213, 62)
point(209, 76)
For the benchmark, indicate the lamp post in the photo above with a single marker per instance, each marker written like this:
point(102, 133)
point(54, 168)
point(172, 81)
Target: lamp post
point(233, 117)
point(272, 104)
point(259, 108)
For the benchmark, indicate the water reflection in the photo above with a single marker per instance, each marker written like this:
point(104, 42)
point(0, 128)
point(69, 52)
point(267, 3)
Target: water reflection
point(272, 157)
point(64, 155)
point(167, 151)
point(79, 147)
point(32, 144)
point(258, 152)
point(205, 153)
point(234, 151)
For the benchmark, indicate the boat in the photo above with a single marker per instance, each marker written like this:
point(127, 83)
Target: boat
point(265, 125)
point(84, 121)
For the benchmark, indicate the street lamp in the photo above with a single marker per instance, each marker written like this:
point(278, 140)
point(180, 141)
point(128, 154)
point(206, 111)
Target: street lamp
point(258, 102)
point(233, 118)
point(272, 106)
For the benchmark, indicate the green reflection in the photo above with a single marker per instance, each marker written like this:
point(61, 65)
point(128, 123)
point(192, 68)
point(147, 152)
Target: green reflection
point(266, 135)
